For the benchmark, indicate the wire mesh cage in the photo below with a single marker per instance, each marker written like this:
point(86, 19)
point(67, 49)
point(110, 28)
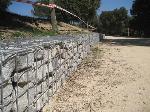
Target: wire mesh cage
point(31, 71)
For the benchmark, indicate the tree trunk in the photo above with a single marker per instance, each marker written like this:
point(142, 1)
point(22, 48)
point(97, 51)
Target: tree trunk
point(53, 19)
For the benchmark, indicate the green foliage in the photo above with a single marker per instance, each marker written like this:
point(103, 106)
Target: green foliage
point(141, 17)
point(85, 9)
point(4, 4)
point(42, 11)
point(1, 34)
point(114, 22)
point(49, 33)
point(18, 34)
point(37, 32)
point(46, 13)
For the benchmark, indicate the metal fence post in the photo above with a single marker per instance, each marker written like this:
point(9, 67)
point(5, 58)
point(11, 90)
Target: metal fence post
point(48, 94)
point(28, 80)
point(17, 62)
point(36, 52)
point(1, 79)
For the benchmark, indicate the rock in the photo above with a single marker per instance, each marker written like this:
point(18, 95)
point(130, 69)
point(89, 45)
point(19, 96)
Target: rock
point(37, 68)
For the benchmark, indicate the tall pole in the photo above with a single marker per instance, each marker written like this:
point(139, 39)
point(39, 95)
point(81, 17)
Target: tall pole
point(128, 32)
point(53, 18)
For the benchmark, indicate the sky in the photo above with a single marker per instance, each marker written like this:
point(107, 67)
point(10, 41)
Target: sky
point(21, 8)
point(106, 5)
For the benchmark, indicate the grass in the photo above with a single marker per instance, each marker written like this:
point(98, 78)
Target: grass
point(26, 32)
point(0, 34)
point(50, 33)
point(18, 34)
point(97, 52)
point(37, 32)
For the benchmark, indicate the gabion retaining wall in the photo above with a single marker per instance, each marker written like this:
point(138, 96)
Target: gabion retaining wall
point(32, 71)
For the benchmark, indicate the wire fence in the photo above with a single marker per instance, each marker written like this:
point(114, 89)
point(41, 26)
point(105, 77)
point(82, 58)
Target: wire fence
point(31, 71)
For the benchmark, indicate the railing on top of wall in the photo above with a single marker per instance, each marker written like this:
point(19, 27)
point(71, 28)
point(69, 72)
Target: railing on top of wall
point(32, 71)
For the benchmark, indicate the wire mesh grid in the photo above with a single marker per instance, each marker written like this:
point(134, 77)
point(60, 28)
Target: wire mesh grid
point(32, 71)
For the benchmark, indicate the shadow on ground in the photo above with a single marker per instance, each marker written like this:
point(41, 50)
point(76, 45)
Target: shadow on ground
point(128, 42)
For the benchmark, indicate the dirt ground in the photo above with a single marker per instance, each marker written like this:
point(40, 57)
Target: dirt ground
point(114, 78)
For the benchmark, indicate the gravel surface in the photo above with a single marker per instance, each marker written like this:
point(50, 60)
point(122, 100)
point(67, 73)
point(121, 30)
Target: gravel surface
point(114, 78)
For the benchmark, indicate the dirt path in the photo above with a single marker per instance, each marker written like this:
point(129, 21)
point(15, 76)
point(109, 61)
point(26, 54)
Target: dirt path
point(114, 78)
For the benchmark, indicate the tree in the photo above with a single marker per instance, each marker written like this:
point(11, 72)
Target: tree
point(141, 16)
point(114, 22)
point(46, 13)
point(86, 9)
point(4, 4)
point(53, 18)
point(43, 12)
